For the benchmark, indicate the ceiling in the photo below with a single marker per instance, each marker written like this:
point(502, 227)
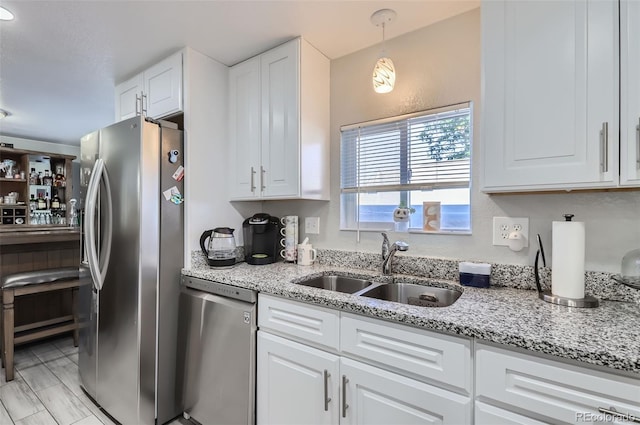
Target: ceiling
point(60, 60)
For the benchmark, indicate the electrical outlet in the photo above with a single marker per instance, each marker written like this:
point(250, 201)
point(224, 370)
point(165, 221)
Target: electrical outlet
point(312, 225)
point(502, 226)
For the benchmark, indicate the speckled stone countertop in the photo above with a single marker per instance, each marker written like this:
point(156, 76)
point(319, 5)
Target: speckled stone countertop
point(606, 336)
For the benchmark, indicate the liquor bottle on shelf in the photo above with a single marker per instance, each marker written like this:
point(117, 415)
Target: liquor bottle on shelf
point(47, 180)
point(42, 205)
point(33, 177)
point(60, 181)
point(55, 203)
point(33, 203)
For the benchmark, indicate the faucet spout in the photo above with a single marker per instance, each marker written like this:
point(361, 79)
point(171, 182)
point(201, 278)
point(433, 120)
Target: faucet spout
point(389, 252)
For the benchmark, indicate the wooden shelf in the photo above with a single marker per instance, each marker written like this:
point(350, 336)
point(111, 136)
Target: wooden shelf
point(24, 160)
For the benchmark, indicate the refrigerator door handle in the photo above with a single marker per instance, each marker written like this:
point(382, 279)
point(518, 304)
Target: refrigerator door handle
point(107, 227)
point(98, 266)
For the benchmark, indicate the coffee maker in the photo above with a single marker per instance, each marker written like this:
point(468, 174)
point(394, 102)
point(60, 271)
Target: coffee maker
point(261, 239)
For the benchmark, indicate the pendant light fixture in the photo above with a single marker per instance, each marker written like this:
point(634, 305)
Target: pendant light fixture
point(384, 73)
point(5, 14)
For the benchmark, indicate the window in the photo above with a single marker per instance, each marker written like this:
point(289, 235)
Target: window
point(415, 161)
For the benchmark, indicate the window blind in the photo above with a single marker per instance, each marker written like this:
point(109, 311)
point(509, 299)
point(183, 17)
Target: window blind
point(424, 151)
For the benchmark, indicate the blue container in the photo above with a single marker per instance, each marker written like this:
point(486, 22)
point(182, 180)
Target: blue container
point(477, 275)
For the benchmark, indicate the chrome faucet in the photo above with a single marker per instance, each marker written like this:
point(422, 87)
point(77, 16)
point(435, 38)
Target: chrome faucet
point(388, 251)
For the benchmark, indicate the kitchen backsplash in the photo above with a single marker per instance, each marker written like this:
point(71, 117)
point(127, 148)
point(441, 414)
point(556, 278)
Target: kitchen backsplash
point(598, 284)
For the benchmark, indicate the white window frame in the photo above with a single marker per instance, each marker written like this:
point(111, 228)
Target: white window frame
point(350, 210)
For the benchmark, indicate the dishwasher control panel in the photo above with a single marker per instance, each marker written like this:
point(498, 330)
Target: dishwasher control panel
point(221, 289)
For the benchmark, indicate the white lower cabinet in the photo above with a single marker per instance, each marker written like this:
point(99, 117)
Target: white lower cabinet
point(296, 384)
point(299, 384)
point(375, 396)
point(550, 391)
point(320, 366)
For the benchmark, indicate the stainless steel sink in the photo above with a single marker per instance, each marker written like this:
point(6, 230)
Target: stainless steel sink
point(346, 284)
point(412, 294)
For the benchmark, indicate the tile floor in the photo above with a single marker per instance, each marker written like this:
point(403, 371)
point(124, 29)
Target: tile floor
point(46, 389)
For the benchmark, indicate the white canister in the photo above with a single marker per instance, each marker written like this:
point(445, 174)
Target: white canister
point(306, 254)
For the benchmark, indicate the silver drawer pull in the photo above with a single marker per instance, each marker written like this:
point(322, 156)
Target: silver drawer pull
point(625, 416)
point(262, 171)
point(345, 406)
point(327, 399)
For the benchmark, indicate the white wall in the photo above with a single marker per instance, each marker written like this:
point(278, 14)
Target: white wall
point(440, 65)
point(206, 150)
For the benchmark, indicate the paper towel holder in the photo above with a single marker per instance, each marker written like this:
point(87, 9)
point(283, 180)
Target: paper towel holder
point(587, 302)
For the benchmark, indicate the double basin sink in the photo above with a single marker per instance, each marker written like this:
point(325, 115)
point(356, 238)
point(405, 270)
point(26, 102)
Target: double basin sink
point(400, 292)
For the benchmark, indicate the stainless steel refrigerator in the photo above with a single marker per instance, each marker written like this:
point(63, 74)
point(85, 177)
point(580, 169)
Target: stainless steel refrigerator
point(131, 184)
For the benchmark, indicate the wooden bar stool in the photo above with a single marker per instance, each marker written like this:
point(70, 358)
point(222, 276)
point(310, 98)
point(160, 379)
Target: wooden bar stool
point(35, 282)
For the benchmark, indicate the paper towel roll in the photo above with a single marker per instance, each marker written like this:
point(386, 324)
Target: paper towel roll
point(567, 267)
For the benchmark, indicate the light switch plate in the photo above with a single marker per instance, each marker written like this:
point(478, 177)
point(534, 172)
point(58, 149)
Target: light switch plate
point(312, 225)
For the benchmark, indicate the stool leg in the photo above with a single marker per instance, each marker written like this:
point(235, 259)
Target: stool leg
point(1, 330)
point(74, 309)
point(8, 332)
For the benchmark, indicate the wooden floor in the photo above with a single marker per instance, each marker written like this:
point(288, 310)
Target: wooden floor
point(46, 388)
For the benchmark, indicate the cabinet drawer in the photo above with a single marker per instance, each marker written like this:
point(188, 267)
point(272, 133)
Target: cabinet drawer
point(553, 389)
point(490, 415)
point(315, 325)
point(415, 352)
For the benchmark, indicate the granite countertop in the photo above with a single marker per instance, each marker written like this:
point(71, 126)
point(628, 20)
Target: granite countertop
point(606, 336)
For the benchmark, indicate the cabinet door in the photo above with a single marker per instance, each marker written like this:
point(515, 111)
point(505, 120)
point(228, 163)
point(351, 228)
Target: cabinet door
point(630, 93)
point(127, 98)
point(296, 384)
point(280, 171)
point(163, 87)
point(374, 396)
point(550, 74)
point(244, 129)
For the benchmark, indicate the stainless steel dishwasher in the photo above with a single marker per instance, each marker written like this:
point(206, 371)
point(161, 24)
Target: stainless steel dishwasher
point(216, 352)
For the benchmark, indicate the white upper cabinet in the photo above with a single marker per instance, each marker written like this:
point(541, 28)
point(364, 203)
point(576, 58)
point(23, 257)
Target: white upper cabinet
point(244, 129)
point(630, 93)
point(550, 90)
point(279, 124)
point(280, 120)
point(128, 98)
point(156, 92)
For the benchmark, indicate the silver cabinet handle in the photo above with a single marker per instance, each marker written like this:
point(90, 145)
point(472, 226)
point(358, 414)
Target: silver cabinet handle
point(604, 147)
point(327, 399)
point(138, 101)
point(345, 406)
point(262, 171)
point(638, 145)
point(144, 102)
point(253, 186)
point(613, 412)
